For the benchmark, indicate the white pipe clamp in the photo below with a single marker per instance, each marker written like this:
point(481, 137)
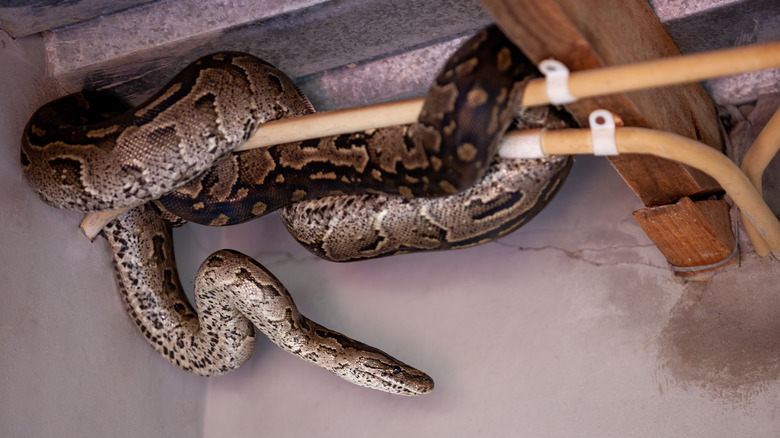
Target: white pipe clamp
point(556, 81)
point(602, 132)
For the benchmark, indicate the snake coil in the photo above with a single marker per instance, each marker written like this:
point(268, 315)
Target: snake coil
point(436, 184)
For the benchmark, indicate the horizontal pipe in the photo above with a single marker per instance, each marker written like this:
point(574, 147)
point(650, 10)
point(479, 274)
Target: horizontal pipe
point(582, 84)
point(630, 141)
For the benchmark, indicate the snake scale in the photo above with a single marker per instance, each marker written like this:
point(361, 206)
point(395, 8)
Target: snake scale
point(437, 184)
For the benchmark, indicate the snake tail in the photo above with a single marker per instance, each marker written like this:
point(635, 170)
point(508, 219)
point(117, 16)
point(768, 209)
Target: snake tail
point(234, 296)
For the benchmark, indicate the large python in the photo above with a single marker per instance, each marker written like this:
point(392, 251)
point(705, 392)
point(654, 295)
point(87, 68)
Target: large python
point(379, 192)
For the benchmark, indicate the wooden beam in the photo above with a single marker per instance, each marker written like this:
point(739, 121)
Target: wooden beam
point(690, 234)
point(587, 34)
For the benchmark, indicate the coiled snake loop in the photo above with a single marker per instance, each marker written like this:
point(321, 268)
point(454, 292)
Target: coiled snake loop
point(434, 185)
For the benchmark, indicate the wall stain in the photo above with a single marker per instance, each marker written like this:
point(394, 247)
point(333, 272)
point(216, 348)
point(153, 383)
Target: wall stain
point(724, 336)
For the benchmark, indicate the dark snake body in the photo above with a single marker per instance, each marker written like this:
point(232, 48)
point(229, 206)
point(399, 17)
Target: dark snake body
point(87, 153)
point(446, 152)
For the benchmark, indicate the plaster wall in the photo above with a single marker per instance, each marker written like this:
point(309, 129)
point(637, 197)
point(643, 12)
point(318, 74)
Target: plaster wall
point(71, 362)
point(572, 326)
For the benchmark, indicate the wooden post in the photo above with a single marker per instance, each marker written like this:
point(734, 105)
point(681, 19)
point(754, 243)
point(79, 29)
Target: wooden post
point(586, 34)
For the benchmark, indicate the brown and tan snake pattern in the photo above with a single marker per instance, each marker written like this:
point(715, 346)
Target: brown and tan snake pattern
point(380, 192)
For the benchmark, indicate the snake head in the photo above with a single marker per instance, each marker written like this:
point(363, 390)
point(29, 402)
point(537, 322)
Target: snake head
point(377, 370)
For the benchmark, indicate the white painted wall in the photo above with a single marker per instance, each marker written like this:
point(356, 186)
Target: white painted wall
point(71, 362)
point(572, 326)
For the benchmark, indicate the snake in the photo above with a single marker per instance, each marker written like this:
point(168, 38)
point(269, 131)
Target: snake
point(436, 184)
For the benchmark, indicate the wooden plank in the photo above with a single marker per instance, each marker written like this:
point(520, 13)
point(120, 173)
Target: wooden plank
point(587, 34)
point(690, 234)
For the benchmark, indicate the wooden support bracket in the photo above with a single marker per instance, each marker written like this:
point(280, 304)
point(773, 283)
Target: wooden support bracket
point(690, 234)
point(587, 34)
